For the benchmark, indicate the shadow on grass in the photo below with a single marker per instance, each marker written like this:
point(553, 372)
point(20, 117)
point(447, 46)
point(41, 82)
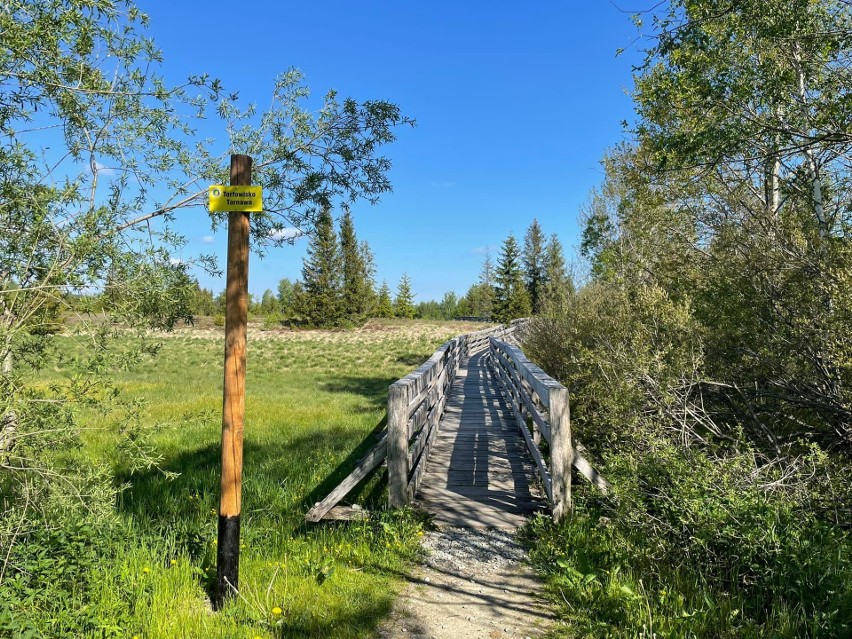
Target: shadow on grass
point(347, 466)
point(375, 389)
point(361, 619)
point(412, 359)
point(176, 504)
point(178, 500)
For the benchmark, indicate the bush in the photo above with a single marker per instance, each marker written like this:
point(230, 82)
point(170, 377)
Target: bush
point(615, 348)
point(701, 536)
point(53, 575)
point(272, 321)
point(693, 547)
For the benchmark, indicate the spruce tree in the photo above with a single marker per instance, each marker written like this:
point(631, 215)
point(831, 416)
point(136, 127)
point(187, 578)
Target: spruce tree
point(534, 265)
point(404, 302)
point(320, 301)
point(357, 282)
point(479, 299)
point(369, 290)
point(484, 295)
point(384, 304)
point(558, 285)
point(512, 299)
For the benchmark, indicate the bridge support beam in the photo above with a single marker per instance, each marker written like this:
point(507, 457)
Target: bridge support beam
point(398, 457)
point(561, 452)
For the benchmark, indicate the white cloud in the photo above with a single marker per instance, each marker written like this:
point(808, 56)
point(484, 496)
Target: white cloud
point(208, 239)
point(285, 234)
point(176, 261)
point(482, 250)
point(103, 169)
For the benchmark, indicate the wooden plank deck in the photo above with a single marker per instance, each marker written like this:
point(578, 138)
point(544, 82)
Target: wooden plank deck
point(479, 473)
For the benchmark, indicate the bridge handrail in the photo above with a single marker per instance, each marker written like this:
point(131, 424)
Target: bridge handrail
point(541, 408)
point(415, 406)
point(532, 392)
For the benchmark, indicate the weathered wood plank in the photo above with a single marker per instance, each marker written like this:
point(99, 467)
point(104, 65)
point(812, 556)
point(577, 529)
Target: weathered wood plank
point(543, 473)
point(588, 471)
point(478, 473)
point(347, 513)
point(368, 463)
point(398, 460)
point(561, 453)
point(537, 378)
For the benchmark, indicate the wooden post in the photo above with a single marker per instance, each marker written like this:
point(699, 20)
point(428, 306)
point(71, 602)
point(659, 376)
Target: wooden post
point(561, 452)
point(234, 392)
point(398, 462)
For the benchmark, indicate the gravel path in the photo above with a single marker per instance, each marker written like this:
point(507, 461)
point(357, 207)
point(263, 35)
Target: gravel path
point(472, 584)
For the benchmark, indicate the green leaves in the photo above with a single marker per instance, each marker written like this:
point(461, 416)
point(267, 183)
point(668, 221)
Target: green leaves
point(308, 160)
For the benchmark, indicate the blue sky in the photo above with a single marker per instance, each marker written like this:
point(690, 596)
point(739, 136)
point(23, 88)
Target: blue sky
point(515, 103)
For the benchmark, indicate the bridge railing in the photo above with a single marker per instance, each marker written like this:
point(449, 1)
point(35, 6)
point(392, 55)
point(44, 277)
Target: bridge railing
point(541, 408)
point(478, 340)
point(415, 406)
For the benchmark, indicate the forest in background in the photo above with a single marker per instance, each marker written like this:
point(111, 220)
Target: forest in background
point(338, 287)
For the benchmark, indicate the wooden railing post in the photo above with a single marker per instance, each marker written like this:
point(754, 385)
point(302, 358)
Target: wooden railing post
point(398, 462)
point(561, 452)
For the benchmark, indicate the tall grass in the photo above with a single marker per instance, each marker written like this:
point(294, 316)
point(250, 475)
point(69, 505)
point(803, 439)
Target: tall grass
point(315, 401)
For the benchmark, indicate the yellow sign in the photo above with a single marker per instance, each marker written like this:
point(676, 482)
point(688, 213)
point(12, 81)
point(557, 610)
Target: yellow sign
point(236, 198)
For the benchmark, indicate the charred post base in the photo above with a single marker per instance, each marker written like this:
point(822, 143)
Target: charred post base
point(227, 559)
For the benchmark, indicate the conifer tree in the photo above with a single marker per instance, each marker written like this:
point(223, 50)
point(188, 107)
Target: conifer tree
point(558, 285)
point(384, 304)
point(534, 265)
point(404, 302)
point(369, 290)
point(320, 301)
point(357, 290)
point(485, 291)
point(479, 299)
point(512, 299)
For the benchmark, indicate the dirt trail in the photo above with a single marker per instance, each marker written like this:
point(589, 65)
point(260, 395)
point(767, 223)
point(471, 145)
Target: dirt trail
point(473, 584)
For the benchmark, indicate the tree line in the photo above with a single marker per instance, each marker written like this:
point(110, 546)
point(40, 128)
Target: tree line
point(338, 286)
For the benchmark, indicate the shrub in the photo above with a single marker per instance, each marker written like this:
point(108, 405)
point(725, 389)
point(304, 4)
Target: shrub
point(690, 546)
point(701, 536)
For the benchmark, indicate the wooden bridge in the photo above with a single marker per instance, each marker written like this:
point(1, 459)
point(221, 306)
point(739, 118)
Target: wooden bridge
point(478, 472)
point(478, 436)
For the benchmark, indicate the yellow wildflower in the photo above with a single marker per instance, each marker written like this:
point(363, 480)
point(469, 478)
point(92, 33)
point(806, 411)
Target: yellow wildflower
point(276, 610)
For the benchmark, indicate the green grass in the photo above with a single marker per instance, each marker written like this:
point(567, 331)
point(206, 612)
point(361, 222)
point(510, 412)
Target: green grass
point(314, 403)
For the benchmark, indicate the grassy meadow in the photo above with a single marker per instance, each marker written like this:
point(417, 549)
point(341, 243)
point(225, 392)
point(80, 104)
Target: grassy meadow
point(315, 400)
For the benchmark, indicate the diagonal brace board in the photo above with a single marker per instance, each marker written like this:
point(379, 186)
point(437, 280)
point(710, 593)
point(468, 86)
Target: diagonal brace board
point(370, 461)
